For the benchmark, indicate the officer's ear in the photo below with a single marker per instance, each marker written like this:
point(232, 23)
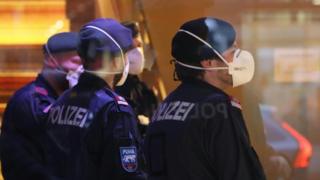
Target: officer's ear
point(208, 63)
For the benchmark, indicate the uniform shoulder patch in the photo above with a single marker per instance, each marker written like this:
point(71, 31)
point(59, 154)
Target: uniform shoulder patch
point(118, 99)
point(129, 158)
point(121, 100)
point(41, 91)
point(235, 102)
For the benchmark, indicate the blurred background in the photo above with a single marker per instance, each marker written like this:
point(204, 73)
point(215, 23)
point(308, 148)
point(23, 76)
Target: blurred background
point(281, 104)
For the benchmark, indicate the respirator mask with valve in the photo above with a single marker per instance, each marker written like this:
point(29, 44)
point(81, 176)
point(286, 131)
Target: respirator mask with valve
point(241, 68)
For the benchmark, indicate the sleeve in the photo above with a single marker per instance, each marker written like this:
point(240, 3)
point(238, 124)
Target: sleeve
point(122, 152)
point(18, 152)
point(226, 150)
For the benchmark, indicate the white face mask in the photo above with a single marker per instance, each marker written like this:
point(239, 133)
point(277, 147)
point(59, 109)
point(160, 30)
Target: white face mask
point(136, 60)
point(104, 70)
point(241, 69)
point(73, 76)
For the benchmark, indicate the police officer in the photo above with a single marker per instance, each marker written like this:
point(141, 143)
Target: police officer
point(198, 132)
point(22, 132)
point(142, 99)
point(92, 130)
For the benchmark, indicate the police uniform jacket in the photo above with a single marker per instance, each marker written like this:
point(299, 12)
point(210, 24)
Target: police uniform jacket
point(22, 140)
point(93, 134)
point(198, 133)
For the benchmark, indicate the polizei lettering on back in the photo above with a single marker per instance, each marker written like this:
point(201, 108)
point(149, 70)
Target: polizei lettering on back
point(68, 115)
point(177, 110)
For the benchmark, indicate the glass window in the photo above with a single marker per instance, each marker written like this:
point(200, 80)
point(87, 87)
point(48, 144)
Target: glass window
point(283, 36)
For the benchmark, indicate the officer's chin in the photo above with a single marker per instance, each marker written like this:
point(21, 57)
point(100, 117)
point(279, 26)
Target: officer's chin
point(227, 81)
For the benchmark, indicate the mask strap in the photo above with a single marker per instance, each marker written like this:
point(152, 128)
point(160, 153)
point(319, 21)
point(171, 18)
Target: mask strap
point(206, 43)
point(50, 55)
point(126, 65)
point(59, 68)
point(199, 68)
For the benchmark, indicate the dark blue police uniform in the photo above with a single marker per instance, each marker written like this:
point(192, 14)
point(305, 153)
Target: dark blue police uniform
point(197, 133)
point(23, 134)
point(93, 134)
point(22, 155)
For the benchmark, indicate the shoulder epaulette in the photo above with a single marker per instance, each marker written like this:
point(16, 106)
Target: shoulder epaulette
point(41, 90)
point(235, 102)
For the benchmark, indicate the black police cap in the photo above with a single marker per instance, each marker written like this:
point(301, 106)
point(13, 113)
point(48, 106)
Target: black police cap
point(103, 35)
point(62, 42)
point(218, 33)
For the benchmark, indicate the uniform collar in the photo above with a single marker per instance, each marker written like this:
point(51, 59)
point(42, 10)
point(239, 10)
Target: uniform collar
point(204, 86)
point(92, 81)
point(43, 87)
